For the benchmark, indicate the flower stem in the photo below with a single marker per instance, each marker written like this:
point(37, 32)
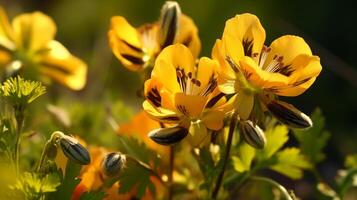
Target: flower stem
point(171, 171)
point(19, 116)
point(274, 183)
point(43, 156)
point(232, 126)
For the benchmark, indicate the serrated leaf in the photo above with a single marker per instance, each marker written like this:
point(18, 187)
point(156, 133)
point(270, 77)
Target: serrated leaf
point(276, 138)
point(98, 195)
point(135, 177)
point(291, 163)
point(313, 140)
point(243, 161)
point(33, 185)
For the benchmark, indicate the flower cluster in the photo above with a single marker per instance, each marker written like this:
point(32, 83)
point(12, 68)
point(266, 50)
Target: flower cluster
point(243, 76)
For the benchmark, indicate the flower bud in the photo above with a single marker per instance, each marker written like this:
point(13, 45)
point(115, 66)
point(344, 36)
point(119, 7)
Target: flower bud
point(288, 114)
point(252, 134)
point(169, 23)
point(113, 163)
point(168, 136)
point(73, 150)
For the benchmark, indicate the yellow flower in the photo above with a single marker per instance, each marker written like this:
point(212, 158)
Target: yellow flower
point(180, 92)
point(258, 74)
point(137, 48)
point(28, 45)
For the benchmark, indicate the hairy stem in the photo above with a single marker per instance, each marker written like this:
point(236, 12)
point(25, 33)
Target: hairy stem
point(219, 181)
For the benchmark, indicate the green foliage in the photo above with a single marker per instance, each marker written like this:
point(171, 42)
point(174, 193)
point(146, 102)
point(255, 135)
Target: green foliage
point(68, 184)
point(20, 91)
point(92, 196)
point(291, 162)
point(243, 161)
point(313, 140)
point(209, 169)
point(351, 161)
point(34, 185)
point(276, 137)
point(136, 149)
point(135, 176)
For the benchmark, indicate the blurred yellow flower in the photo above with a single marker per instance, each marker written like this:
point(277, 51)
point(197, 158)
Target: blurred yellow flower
point(252, 70)
point(180, 92)
point(28, 45)
point(137, 48)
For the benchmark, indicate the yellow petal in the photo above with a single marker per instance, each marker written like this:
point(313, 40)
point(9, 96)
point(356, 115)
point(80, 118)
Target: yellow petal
point(63, 67)
point(161, 114)
point(248, 32)
point(171, 58)
point(190, 105)
point(244, 104)
point(61, 161)
point(157, 95)
point(126, 44)
point(306, 69)
point(213, 119)
point(289, 47)
point(207, 69)
point(260, 78)
point(33, 30)
point(6, 34)
point(188, 35)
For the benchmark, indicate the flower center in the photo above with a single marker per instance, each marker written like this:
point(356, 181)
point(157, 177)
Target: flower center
point(190, 85)
point(276, 65)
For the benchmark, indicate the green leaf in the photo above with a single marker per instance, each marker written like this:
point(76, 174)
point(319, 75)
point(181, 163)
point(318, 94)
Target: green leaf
point(347, 181)
point(98, 195)
point(313, 140)
point(33, 185)
point(69, 183)
point(135, 176)
point(351, 161)
point(276, 138)
point(291, 163)
point(243, 161)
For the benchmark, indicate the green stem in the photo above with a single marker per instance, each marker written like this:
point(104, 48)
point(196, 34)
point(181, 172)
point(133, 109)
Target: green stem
point(19, 116)
point(274, 183)
point(232, 126)
point(171, 171)
point(43, 156)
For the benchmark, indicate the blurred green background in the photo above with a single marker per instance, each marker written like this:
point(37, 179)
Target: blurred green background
point(327, 25)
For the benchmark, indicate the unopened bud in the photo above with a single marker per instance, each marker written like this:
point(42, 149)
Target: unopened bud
point(73, 150)
point(168, 136)
point(288, 114)
point(113, 163)
point(169, 23)
point(252, 134)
